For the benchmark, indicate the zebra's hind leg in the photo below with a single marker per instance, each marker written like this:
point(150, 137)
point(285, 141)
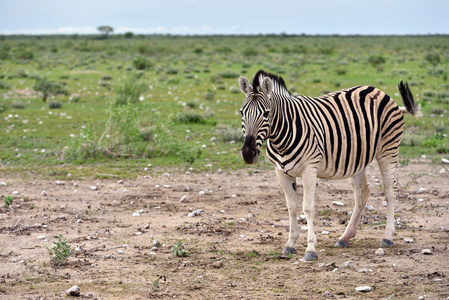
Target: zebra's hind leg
point(387, 166)
point(288, 185)
point(309, 177)
point(361, 195)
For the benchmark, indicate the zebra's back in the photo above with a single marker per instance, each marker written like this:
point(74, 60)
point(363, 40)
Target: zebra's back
point(354, 126)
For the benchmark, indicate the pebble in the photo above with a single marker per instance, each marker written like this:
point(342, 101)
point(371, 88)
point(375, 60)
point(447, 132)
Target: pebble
point(73, 291)
point(146, 226)
point(184, 199)
point(338, 203)
point(348, 264)
point(445, 161)
point(2, 183)
point(15, 192)
point(325, 232)
point(79, 221)
point(136, 214)
point(93, 188)
point(218, 264)
point(119, 251)
point(380, 252)
point(370, 207)
point(426, 252)
point(365, 270)
point(363, 289)
point(408, 240)
point(60, 182)
point(326, 223)
point(195, 213)
point(156, 243)
point(41, 237)
point(304, 228)
point(44, 193)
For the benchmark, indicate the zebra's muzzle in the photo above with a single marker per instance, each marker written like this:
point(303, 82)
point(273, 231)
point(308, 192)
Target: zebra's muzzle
point(250, 153)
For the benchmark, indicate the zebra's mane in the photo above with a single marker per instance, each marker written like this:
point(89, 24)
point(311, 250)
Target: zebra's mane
point(277, 81)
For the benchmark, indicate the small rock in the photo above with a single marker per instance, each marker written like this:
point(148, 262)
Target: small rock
point(136, 214)
point(93, 188)
point(120, 251)
point(44, 193)
point(370, 207)
point(60, 182)
point(2, 183)
point(41, 237)
point(348, 264)
point(408, 240)
point(443, 171)
point(326, 223)
point(363, 289)
point(426, 252)
point(154, 249)
point(184, 199)
point(138, 233)
point(380, 252)
point(325, 232)
point(365, 270)
point(120, 181)
point(249, 216)
point(73, 291)
point(328, 294)
point(445, 161)
point(338, 203)
point(421, 190)
point(146, 226)
point(15, 192)
point(79, 221)
point(156, 243)
point(304, 228)
point(218, 264)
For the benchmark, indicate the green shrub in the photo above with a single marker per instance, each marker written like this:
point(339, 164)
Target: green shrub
point(209, 96)
point(18, 104)
point(8, 200)
point(24, 54)
point(229, 74)
point(142, 63)
point(178, 250)
point(4, 85)
point(129, 90)
point(227, 133)
point(376, 60)
point(54, 104)
point(189, 117)
point(146, 134)
point(49, 87)
point(60, 252)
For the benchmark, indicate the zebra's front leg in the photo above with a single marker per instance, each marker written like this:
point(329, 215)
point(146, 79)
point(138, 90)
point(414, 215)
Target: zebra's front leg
point(309, 177)
point(288, 185)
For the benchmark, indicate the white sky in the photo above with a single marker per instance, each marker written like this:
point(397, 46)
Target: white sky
point(225, 16)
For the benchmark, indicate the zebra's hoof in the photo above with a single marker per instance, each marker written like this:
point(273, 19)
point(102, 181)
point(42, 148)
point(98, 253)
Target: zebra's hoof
point(341, 244)
point(386, 243)
point(287, 251)
point(310, 256)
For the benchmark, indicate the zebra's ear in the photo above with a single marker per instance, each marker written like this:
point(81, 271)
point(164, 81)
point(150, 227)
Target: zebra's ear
point(245, 86)
point(267, 86)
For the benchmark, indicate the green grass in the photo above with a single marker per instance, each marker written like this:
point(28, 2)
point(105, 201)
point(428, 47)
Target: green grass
point(174, 101)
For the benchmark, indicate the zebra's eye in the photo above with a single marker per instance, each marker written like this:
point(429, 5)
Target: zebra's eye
point(265, 114)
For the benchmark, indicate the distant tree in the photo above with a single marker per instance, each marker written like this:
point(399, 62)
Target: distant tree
point(105, 30)
point(128, 35)
point(49, 87)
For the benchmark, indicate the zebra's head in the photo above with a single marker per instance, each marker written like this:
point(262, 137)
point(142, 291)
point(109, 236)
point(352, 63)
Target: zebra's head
point(256, 115)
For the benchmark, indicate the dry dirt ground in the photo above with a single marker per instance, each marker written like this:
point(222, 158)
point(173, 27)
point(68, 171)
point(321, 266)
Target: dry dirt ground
point(233, 247)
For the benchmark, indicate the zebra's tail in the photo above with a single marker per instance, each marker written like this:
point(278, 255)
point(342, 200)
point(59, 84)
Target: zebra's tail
point(410, 105)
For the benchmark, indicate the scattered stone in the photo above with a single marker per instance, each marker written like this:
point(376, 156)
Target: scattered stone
point(184, 199)
point(44, 193)
point(120, 181)
point(443, 171)
point(218, 264)
point(249, 216)
point(120, 251)
point(325, 232)
point(2, 183)
point(136, 214)
point(304, 228)
point(365, 270)
point(328, 294)
point(93, 187)
point(348, 264)
point(79, 221)
point(147, 226)
point(421, 190)
point(60, 182)
point(326, 223)
point(73, 291)
point(156, 243)
point(195, 213)
point(138, 233)
point(338, 203)
point(370, 207)
point(363, 289)
point(380, 252)
point(426, 252)
point(154, 249)
point(15, 192)
point(445, 161)
point(41, 237)
point(408, 240)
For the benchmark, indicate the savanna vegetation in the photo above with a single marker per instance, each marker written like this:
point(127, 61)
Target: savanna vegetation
point(132, 102)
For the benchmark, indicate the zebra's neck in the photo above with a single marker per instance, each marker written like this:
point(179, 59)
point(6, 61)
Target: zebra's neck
point(289, 123)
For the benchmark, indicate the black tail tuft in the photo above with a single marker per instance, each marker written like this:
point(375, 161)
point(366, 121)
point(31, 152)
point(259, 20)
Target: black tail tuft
point(408, 100)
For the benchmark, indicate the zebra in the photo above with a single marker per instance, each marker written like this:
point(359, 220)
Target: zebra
point(334, 136)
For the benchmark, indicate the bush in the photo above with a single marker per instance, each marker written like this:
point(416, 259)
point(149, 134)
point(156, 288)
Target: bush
point(24, 54)
point(227, 133)
point(54, 104)
point(142, 63)
point(49, 87)
point(146, 134)
point(60, 252)
point(18, 105)
point(432, 58)
point(129, 90)
point(376, 60)
point(189, 117)
point(4, 85)
point(229, 74)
